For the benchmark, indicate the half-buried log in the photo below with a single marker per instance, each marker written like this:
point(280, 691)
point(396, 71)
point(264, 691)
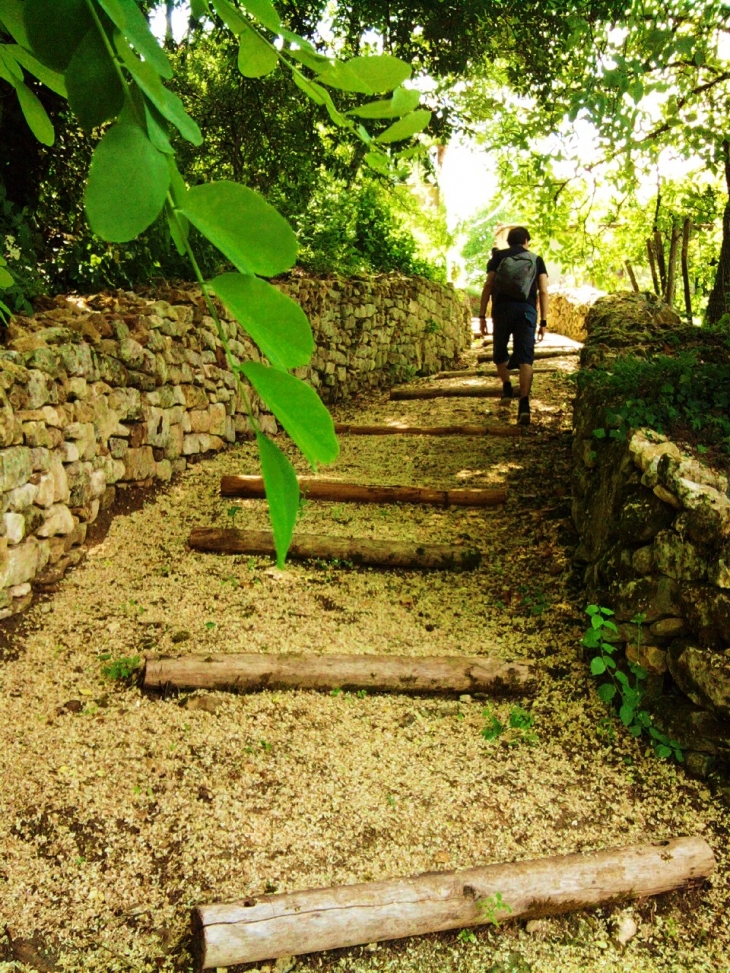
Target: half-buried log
point(541, 354)
point(268, 926)
point(399, 429)
point(358, 550)
point(377, 673)
point(457, 391)
point(314, 488)
point(491, 372)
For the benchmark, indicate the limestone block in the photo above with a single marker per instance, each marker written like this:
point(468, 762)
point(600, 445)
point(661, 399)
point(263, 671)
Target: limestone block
point(37, 388)
point(643, 561)
point(676, 558)
point(719, 572)
point(669, 628)
point(173, 448)
point(126, 403)
point(15, 467)
point(217, 414)
point(67, 452)
point(194, 397)
point(131, 353)
point(702, 674)
point(21, 497)
point(114, 469)
point(118, 447)
point(139, 464)
point(199, 420)
point(59, 520)
point(13, 527)
point(653, 597)
point(19, 590)
point(651, 657)
point(88, 513)
point(707, 610)
point(76, 388)
point(97, 483)
point(36, 434)
point(21, 563)
point(163, 470)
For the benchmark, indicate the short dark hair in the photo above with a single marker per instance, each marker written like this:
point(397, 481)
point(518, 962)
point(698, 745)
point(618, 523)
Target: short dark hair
point(518, 236)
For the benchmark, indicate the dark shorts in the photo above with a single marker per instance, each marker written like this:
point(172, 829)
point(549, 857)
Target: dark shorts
point(519, 322)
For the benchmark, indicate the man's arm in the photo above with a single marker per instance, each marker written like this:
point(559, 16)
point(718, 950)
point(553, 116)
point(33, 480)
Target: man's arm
point(486, 294)
point(544, 299)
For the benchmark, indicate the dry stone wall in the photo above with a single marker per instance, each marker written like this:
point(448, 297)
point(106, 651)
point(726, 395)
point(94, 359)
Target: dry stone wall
point(655, 540)
point(100, 393)
point(569, 307)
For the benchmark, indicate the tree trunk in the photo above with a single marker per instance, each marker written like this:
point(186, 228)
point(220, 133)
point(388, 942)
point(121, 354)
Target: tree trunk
point(340, 492)
point(632, 276)
point(393, 429)
point(358, 550)
point(672, 268)
point(466, 391)
point(659, 253)
point(685, 269)
point(374, 673)
point(719, 301)
point(652, 267)
point(268, 926)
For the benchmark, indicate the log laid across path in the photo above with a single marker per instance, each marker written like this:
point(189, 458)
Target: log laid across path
point(456, 391)
point(314, 488)
point(358, 550)
point(490, 372)
point(436, 675)
point(541, 354)
point(269, 926)
point(399, 429)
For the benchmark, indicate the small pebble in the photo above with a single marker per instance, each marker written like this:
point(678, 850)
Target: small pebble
point(626, 929)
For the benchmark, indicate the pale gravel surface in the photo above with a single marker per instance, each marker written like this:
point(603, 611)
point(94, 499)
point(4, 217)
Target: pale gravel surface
point(118, 818)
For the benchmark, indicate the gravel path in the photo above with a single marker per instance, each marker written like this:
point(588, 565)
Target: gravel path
point(120, 811)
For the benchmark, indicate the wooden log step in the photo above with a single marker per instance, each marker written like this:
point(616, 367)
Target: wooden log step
point(269, 926)
point(462, 392)
point(399, 429)
point(489, 372)
point(540, 355)
point(314, 488)
point(358, 550)
point(435, 675)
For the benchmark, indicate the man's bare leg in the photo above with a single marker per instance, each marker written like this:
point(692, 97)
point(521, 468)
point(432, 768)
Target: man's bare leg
point(525, 380)
point(503, 372)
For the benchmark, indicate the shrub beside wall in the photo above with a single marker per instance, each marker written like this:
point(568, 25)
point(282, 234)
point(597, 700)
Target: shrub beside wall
point(118, 390)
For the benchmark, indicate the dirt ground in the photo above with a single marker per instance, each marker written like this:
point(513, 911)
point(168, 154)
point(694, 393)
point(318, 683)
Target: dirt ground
point(120, 811)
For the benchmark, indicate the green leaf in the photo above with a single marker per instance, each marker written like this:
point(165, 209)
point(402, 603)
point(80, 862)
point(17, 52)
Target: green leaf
point(178, 227)
point(230, 16)
point(596, 622)
point(626, 714)
point(199, 9)
point(11, 14)
point(591, 639)
point(131, 22)
point(35, 115)
point(95, 93)
point(378, 162)
point(344, 77)
point(298, 408)
point(310, 59)
point(9, 67)
point(282, 493)
point(663, 751)
point(244, 227)
point(598, 666)
point(599, 433)
point(380, 72)
point(167, 102)
point(256, 57)
point(405, 127)
point(128, 182)
point(606, 692)
point(157, 129)
point(276, 323)
point(403, 101)
point(311, 89)
point(55, 29)
point(51, 79)
point(264, 12)
point(6, 278)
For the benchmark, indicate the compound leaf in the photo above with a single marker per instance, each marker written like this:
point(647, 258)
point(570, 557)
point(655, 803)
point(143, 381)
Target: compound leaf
point(131, 22)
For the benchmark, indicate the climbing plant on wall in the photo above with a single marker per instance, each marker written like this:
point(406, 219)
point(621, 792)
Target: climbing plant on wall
point(102, 57)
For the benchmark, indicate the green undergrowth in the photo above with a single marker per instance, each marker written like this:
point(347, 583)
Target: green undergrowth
point(685, 395)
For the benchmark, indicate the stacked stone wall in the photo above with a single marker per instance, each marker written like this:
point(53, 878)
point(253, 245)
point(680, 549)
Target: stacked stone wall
point(569, 308)
point(654, 524)
point(105, 392)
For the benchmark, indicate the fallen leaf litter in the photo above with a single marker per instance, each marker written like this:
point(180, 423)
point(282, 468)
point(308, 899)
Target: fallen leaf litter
point(120, 811)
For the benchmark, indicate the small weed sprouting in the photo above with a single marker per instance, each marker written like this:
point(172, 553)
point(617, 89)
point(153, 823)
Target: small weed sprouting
point(210, 626)
point(466, 936)
point(533, 599)
point(121, 668)
point(232, 513)
point(620, 688)
point(432, 326)
point(492, 905)
point(336, 691)
point(518, 728)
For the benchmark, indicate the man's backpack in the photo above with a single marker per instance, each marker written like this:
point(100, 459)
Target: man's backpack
point(516, 275)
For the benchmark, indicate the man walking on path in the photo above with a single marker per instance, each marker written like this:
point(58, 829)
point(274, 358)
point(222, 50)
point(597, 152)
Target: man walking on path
point(516, 278)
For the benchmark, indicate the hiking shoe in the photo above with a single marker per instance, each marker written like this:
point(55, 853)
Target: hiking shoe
point(507, 394)
point(523, 411)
